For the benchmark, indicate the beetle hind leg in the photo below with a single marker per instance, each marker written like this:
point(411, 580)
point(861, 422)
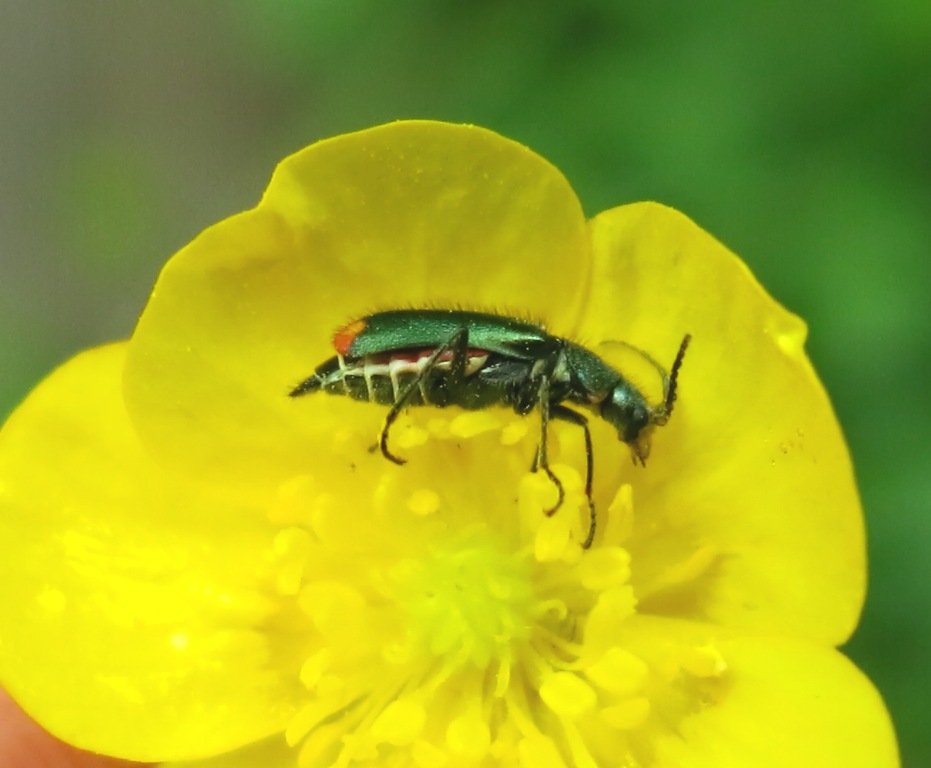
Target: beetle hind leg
point(541, 461)
point(573, 417)
point(382, 444)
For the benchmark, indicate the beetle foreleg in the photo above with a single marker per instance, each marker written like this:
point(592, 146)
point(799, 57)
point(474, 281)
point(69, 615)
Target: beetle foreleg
point(574, 417)
point(542, 460)
point(460, 340)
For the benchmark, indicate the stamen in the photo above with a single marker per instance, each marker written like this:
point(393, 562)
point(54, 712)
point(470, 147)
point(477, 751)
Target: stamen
point(474, 423)
point(703, 661)
point(605, 568)
point(568, 695)
point(400, 723)
point(619, 672)
point(468, 736)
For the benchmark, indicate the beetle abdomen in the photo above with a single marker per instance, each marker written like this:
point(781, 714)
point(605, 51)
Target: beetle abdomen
point(383, 379)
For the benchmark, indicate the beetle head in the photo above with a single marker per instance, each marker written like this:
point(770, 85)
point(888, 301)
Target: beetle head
point(630, 414)
point(633, 417)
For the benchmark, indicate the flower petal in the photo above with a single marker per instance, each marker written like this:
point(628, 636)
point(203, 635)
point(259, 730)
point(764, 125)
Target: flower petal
point(131, 619)
point(749, 487)
point(23, 744)
point(405, 215)
point(273, 752)
point(782, 703)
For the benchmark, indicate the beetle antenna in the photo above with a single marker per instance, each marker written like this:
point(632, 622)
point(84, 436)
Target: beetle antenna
point(660, 414)
point(670, 398)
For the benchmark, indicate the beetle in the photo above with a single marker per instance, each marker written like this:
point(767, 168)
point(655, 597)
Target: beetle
point(475, 360)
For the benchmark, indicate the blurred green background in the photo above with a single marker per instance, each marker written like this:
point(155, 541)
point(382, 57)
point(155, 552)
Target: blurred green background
point(799, 133)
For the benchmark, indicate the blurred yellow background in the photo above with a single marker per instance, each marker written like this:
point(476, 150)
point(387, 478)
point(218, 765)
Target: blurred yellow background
point(798, 133)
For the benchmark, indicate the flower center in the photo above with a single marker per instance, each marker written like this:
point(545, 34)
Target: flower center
point(450, 621)
point(469, 601)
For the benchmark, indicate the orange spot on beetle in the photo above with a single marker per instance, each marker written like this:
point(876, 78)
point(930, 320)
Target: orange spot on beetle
point(344, 337)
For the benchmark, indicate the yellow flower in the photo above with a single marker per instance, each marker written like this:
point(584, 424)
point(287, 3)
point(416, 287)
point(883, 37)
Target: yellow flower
point(198, 569)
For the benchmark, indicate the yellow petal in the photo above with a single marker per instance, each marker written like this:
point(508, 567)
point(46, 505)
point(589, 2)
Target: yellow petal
point(130, 612)
point(784, 703)
point(405, 215)
point(747, 513)
point(273, 752)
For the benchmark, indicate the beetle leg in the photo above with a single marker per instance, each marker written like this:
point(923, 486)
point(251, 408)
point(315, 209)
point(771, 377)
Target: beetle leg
point(342, 368)
point(542, 461)
point(460, 345)
point(460, 340)
point(558, 411)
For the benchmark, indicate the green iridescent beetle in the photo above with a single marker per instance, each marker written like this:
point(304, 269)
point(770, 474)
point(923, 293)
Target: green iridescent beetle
point(475, 360)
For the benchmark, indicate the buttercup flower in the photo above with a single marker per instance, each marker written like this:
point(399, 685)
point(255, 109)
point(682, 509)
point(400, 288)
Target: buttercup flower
point(198, 569)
